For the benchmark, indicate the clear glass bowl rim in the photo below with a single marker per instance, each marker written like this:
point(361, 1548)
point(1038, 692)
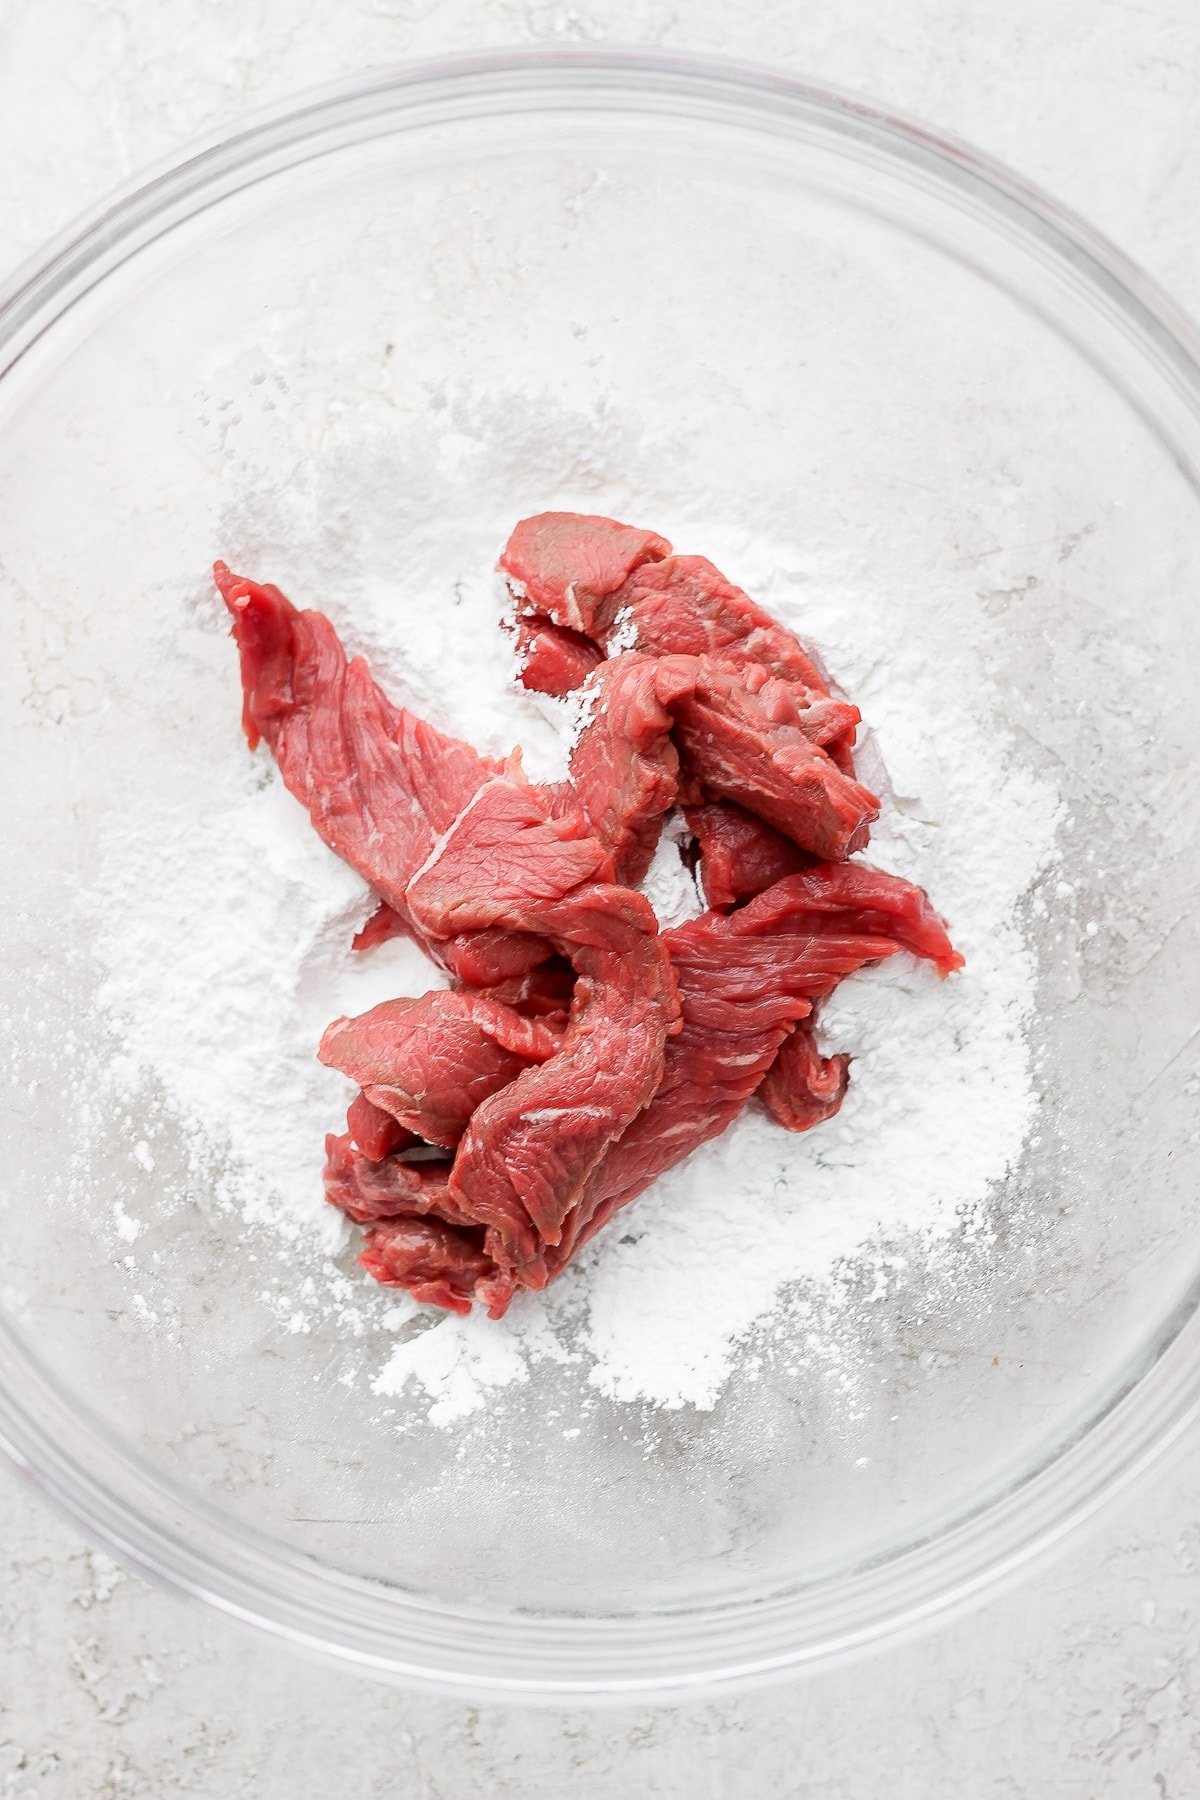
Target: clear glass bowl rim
point(172, 1535)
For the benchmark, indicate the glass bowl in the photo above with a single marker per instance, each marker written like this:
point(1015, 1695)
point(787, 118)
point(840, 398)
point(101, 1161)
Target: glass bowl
point(461, 291)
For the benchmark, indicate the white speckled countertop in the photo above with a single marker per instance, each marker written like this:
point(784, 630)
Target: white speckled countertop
point(1084, 1685)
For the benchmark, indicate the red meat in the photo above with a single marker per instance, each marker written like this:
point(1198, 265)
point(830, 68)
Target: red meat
point(397, 1186)
point(379, 784)
point(745, 980)
point(428, 1063)
point(684, 604)
point(843, 900)
point(745, 739)
point(529, 1150)
point(486, 958)
point(744, 736)
point(551, 659)
point(624, 766)
point(802, 1088)
point(584, 1052)
point(511, 848)
point(374, 1131)
point(760, 727)
point(439, 1264)
point(480, 958)
point(740, 855)
point(383, 925)
point(599, 577)
point(543, 993)
point(566, 566)
point(746, 986)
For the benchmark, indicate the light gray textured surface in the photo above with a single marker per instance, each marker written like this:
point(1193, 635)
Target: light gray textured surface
point(1084, 1684)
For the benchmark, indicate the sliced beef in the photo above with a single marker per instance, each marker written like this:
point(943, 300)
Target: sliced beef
point(740, 854)
point(682, 604)
point(551, 659)
point(543, 993)
point(745, 980)
point(624, 766)
point(509, 861)
point(597, 577)
point(384, 924)
point(379, 783)
point(529, 1150)
point(511, 848)
point(428, 1063)
point(847, 900)
point(486, 958)
point(739, 735)
point(478, 958)
point(565, 567)
point(605, 581)
point(528, 1153)
point(497, 1127)
point(439, 1264)
point(759, 727)
point(746, 986)
point(403, 1185)
point(802, 1088)
point(374, 1131)
point(748, 743)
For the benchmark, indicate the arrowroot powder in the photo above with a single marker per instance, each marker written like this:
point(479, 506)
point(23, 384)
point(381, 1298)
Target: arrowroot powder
point(218, 983)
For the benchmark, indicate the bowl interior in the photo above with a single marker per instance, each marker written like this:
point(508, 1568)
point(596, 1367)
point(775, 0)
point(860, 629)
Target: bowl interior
point(866, 401)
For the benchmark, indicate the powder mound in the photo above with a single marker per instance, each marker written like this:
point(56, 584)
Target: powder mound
point(583, 1050)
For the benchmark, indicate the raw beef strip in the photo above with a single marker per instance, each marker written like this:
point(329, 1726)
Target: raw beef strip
point(565, 566)
point(528, 1151)
point(746, 743)
point(802, 1088)
point(486, 958)
point(544, 993)
point(480, 958)
point(761, 727)
point(633, 1047)
point(551, 659)
point(683, 603)
point(428, 1063)
point(746, 984)
point(624, 767)
point(740, 854)
point(367, 1188)
point(740, 734)
point(374, 1131)
point(745, 980)
point(512, 847)
point(832, 900)
point(415, 1238)
point(604, 579)
point(383, 925)
point(440, 1265)
point(380, 785)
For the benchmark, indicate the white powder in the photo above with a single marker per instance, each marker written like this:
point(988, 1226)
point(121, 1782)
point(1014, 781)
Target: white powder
point(670, 886)
point(624, 634)
point(222, 978)
point(219, 983)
